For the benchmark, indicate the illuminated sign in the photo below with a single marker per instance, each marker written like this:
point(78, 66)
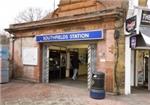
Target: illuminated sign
point(133, 42)
point(145, 18)
point(72, 36)
point(131, 24)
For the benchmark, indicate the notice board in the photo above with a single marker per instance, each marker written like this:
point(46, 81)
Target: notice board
point(30, 55)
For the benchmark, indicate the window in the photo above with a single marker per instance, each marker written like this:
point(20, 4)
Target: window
point(143, 3)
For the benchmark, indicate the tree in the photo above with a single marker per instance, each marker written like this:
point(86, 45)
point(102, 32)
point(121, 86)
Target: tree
point(2, 32)
point(30, 14)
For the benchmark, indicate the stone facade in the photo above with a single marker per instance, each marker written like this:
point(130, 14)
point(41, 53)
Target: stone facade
point(72, 16)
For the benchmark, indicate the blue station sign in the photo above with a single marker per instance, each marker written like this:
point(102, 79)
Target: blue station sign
point(72, 36)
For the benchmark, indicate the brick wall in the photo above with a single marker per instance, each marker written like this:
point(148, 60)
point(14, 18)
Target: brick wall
point(75, 7)
point(21, 70)
point(105, 58)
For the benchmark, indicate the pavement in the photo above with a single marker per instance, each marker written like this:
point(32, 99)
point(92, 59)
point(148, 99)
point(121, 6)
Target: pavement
point(26, 93)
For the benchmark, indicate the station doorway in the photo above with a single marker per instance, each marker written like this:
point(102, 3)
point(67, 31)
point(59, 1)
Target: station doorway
point(141, 73)
point(57, 63)
point(58, 60)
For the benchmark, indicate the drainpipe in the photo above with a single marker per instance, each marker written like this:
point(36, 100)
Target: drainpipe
point(12, 59)
point(116, 36)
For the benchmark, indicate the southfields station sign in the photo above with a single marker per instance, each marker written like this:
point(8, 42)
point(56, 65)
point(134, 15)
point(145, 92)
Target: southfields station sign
point(74, 36)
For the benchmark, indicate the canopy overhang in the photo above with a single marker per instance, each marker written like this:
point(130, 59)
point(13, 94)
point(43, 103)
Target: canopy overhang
point(145, 32)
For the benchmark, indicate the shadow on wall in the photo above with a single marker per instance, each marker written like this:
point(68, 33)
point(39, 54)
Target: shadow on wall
point(17, 71)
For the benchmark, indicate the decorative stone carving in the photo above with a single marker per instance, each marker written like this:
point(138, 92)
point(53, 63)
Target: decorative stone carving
point(64, 2)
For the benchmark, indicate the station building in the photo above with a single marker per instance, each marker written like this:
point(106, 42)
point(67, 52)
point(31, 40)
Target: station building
point(91, 29)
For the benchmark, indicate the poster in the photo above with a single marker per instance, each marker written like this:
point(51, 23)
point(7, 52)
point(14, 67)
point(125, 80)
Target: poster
point(4, 52)
point(30, 55)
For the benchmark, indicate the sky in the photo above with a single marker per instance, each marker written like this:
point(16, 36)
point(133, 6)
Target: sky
point(9, 9)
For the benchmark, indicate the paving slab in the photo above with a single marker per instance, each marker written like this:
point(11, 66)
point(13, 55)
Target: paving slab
point(26, 93)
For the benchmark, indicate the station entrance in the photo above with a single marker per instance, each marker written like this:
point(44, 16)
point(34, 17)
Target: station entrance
point(58, 59)
point(141, 73)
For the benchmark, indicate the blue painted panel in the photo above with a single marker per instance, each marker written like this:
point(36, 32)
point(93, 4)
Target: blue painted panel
point(4, 52)
point(74, 36)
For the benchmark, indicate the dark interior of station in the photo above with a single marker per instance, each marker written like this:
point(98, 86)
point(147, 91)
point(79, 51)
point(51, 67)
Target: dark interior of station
point(60, 67)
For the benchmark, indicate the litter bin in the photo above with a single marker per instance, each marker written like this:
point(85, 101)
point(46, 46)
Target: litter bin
point(97, 90)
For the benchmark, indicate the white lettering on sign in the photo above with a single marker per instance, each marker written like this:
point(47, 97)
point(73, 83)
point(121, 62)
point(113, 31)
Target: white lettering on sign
point(146, 17)
point(145, 20)
point(65, 37)
point(78, 36)
point(55, 37)
point(85, 35)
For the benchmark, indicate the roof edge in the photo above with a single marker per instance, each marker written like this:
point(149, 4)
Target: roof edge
point(64, 20)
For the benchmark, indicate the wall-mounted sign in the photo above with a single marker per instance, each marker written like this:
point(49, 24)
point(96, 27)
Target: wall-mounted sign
point(30, 55)
point(145, 18)
point(133, 42)
point(72, 36)
point(131, 24)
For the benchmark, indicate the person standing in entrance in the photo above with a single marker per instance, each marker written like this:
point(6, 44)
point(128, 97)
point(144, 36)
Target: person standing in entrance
point(75, 65)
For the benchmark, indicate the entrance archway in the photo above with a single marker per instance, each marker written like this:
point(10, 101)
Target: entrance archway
point(91, 59)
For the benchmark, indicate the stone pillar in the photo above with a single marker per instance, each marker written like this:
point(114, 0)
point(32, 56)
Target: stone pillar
point(149, 73)
point(92, 49)
point(68, 63)
point(45, 69)
point(127, 66)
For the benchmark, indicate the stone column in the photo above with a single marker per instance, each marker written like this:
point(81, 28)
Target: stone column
point(149, 73)
point(92, 49)
point(127, 66)
point(68, 63)
point(45, 69)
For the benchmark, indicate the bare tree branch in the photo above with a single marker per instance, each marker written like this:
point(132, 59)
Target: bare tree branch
point(30, 14)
